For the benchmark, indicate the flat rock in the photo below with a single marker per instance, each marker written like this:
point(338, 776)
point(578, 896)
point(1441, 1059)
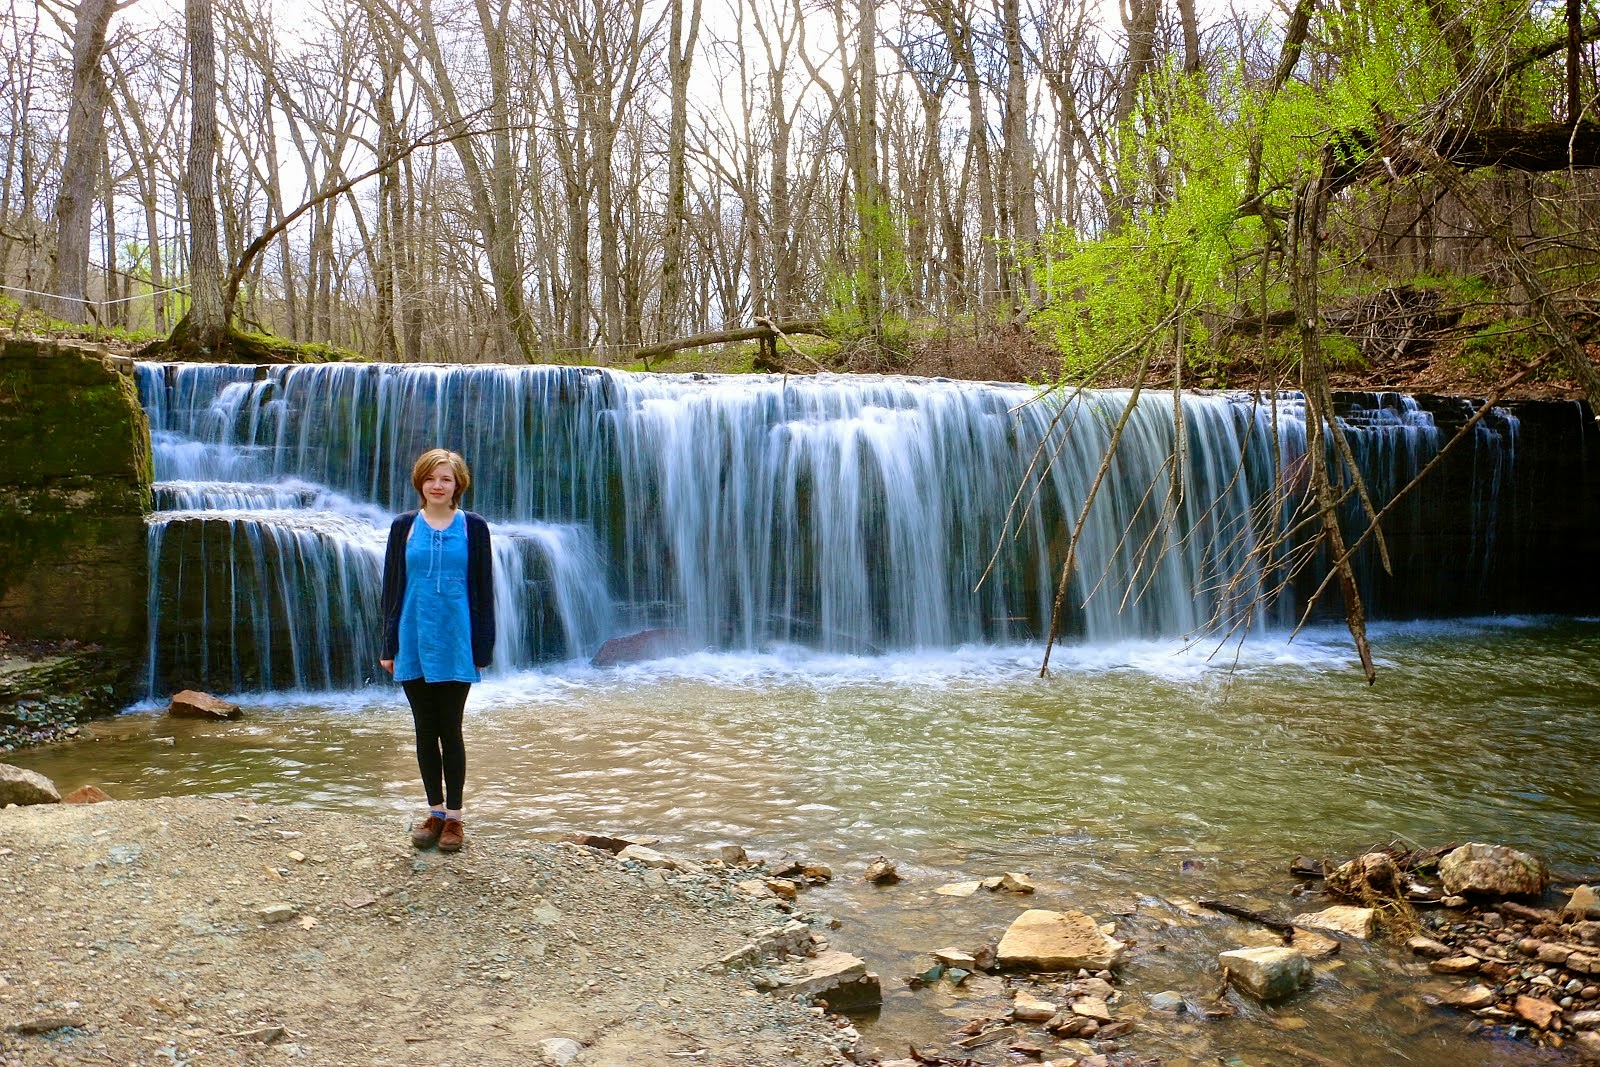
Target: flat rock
point(86, 794)
point(1456, 965)
point(648, 857)
point(1342, 919)
point(1092, 1008)
point(1427, 946)
point(23, 787)
point(1493, 871)
point(955, 957)
point(193, 704)
point(1470, 997)
point(1027, 1008)
point(1541, 1013)
point(1583, 904)
point(959, 889)
point(837, 977)
point(1040, 940)
point(1584, 1020)
point(1267, 973)
point(1315, 945)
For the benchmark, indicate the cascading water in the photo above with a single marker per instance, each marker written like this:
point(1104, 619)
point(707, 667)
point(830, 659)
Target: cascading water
point(844, 514)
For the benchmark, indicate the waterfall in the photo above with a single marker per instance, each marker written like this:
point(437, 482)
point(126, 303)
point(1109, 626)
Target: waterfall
point(838, 513)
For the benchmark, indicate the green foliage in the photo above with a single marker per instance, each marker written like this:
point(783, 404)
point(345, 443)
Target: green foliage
point(1492, 350)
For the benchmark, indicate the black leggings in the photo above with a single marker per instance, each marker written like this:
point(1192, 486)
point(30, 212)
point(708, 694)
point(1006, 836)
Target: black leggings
point(436, 709)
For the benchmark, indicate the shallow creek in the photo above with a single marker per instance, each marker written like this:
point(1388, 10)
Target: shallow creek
point(1134, 775)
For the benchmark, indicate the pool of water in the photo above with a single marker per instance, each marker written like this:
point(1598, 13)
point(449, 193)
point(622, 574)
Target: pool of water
point(1100, 780)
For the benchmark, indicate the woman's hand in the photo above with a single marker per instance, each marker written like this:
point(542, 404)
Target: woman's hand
point(387, 664)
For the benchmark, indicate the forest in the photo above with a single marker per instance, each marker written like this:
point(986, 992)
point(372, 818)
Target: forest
point(1150, 187)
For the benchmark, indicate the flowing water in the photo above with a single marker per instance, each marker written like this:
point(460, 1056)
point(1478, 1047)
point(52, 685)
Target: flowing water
point(856, 690)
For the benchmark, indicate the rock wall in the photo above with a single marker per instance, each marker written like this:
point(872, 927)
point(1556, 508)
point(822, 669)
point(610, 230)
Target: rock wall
point(75, 483)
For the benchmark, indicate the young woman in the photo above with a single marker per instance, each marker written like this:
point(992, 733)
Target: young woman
point(438, 630)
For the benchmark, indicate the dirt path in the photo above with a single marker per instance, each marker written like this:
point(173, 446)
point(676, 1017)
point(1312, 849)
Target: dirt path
point(149, 930)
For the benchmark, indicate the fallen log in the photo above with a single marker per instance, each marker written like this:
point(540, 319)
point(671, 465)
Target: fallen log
point(764, 330)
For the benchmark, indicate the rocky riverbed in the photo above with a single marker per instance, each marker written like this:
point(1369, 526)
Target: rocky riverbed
point(193, 931)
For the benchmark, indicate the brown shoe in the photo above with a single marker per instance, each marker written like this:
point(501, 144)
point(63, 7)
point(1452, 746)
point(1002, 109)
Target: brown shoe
point(451, 836)
point(426, 834)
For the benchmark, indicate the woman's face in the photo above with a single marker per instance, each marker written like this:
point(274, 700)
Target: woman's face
point(439, 487)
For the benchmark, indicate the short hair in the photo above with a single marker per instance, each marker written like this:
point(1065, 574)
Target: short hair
point(431, 459)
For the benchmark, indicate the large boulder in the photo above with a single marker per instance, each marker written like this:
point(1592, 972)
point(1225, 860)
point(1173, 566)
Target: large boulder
point(1366, 878)
point(23, 787)
point(190, 704)
point(1267, 973)
point(1041, 940)
point(1493, 871)
point(644, 645)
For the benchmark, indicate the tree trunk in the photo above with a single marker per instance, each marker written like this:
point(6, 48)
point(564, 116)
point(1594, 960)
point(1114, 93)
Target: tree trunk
point(207, 320)
point(1019, 154)
point(69, 277)
point(680, 56)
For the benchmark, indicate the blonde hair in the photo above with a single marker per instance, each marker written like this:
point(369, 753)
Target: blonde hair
point(431, 459)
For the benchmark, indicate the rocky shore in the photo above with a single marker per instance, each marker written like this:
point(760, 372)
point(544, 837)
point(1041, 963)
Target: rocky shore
point(204, 931)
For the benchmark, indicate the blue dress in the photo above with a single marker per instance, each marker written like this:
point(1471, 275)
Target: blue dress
point(435, 627)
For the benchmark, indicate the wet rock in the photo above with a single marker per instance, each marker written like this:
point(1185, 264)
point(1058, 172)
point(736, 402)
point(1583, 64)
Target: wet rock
point(1306, 867)
point(1493, 871)
point(1427, 946)
point(959, 889)
point(1027, 1008)
point(641, 646)
point(86, 794)
point(1041, 940)
point(1456, 965)
point(1470, 997)
point(955, 957)
point(1072, 1025)
point(558, 1051)
point(1168, 1001)
point(192, 704)
point(1092, 1008)
point(23, 787)
point(1540, 1013)
point(612, 845)
point(1267, 973)
point(817, 872)
point(881, 872)
point(1314, 945)
point(1588, 1045)
point(836, 977)
point(1367, 877)
point(1011, 882)
point(1583, 904)
point(1342, 919)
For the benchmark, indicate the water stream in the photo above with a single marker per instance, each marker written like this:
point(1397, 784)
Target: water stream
point(854, 689)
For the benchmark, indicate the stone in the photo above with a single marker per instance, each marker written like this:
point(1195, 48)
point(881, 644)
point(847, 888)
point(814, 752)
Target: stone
point(192, 704)
point(817, 872)
point(1554, 953)
point(1314, 945)
point(1584, 1020)
point(1040, 940)
point(1015, 883)
point(1456, 965)
point(733, 855)
point(1470, 997)
point(783, 888)
point(1493, 871)
point(558, 1051)
point(881, 872)
point(1027, 1008)
point(277, 913)
point(24, 787)
point(86, 794)
point(1583, 904)
point(1342, 919)
point(1092, 1008)
point(754, 887)
point(1366, 877)
point(1541, 1013)
point(641, 646)
point(1427, 946)
point(1267, 973)
point(836, 977)
point(1169, 1001)
point(602, 842)
point(954, 957)
point(648, 857)
point(1588, 1045)
point(959, 889)
point(1583, 964)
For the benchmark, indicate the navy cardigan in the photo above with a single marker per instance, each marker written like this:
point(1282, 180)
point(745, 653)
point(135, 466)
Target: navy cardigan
point(480, 586)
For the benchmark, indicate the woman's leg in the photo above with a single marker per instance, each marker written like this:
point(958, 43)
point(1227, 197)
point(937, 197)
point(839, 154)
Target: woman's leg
point(425, 716)
point(451, 704)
